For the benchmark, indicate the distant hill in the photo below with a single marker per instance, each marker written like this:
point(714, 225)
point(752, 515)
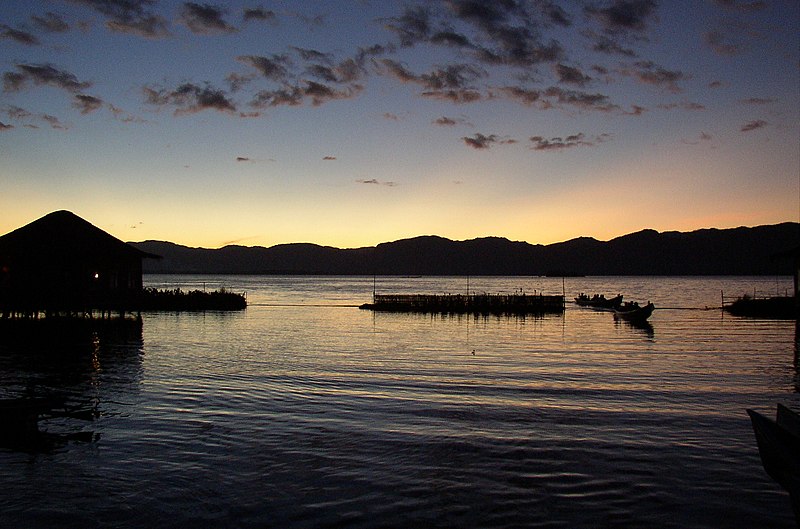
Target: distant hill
point(762, 250)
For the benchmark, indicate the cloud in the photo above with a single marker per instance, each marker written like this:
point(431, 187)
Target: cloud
point(541, 143)
point(204, 19)
point(190, 98)
point(315, 93)
point(741, 6)
point(18, 35)
point(754, 125)
point(391, 116)
point(482, 141)
point(50, 22)
point(412, 26)
point(648, 72)
point(5, 126)
point(756, 101)
point(243, 159)
point(686, 105)
point(620, 16)
point(274, 68)
point(86, 103)
point(450, 83)
point(374, 181)
point(444, 121)
point(54, 122)
point(129, 16)
point(569, 75)
point(259, 14)
point(719, 43)
point(42, 74)
point(329, 158)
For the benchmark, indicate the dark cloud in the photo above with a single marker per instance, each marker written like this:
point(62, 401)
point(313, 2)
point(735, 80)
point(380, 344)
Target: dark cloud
point(541, 143)
point(243, 159)
point(313, 55)
point(686, 105)
point(5, 126)
point(650, 73)
point(190, 98)
point(757, 101)
point(315, 93)
point(482, 141)
point(374, 181)
point(718, 42)
point(86, 103)
point(18, 35)
point(329, 158)
point(620, 16)
point(445, 121)
point(42, 74)
point(412, 27)
point(582, 100)
point(129, 16)
point(204, 19)
point(607, 45)
point(391, 116)
point(742, 6)
point(754, 125)
point(451, 83)
point(50, 22)
point(569, 75)
point(274, 68)
point(54, 122)
point(259, 14)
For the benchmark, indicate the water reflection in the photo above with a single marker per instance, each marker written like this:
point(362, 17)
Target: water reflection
point(642, 327)
point(57, 377)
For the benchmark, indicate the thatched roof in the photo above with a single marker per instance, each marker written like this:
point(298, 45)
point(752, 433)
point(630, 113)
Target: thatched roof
point(64, 235)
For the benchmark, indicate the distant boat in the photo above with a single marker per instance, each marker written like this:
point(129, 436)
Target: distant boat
point(779, 447)
point(633, 312)
point(599, 301)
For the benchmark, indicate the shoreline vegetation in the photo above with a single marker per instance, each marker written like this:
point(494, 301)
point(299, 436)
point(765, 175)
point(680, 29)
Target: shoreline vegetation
point(130, 307)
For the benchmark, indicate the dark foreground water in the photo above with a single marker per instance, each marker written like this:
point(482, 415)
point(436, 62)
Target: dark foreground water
point(304, 411)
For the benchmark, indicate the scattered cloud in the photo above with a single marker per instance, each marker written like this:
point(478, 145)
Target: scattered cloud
point(205, 19)
point(274, 68)
point(86, 103)
point(541, 143)
point(742, 6)
point(243, 159)
point(445, 121)
point(50, 22)
point(190, 98)
point(620, 16)
point(374, 181)
point(569, 75)
point(757, 101)
point(718, 42)
point(259, 14)
point(5, 126)
point(482, 141)
point(754, 125)
point(42, 74)
point(329, 158)
point(19, 36)
point(648, 72)
point(129, 16)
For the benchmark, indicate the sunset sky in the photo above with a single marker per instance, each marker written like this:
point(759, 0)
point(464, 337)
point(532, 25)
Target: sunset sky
point(350, 123)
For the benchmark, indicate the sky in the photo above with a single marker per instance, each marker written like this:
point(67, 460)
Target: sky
point(351, 123)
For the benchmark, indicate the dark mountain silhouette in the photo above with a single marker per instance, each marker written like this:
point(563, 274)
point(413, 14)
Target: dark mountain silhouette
point(761, 250)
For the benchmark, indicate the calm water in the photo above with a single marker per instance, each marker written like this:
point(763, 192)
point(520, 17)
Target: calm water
point(304, 411)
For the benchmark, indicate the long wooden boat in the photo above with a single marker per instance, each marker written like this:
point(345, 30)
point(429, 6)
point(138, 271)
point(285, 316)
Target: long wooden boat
point(599, 301)
point(633, 312)
point(779, 447)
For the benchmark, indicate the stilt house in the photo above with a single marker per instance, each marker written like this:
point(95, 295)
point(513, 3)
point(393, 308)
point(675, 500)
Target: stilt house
point(61, 264)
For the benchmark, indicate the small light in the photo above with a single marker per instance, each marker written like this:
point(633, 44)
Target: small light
point(96, 275)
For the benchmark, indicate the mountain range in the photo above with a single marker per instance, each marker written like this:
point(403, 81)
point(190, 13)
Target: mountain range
point(761, 250)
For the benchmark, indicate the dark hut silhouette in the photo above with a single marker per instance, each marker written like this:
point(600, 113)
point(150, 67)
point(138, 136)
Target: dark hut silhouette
point(62, 264)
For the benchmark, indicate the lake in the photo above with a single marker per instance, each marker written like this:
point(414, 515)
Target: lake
point(305, 411)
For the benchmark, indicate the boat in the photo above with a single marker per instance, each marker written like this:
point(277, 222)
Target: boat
point(599, 301)
point(631, 311)
point(779, 447)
